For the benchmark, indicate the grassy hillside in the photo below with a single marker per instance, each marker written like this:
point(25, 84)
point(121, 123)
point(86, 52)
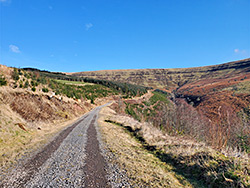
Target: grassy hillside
point(210, 105)
point(35, 106)
point(125, 89)
point(217, 92)
point(169, 78)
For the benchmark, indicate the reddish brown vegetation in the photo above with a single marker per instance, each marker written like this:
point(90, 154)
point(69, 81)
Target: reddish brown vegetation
point(21, 126)
point(223, 107)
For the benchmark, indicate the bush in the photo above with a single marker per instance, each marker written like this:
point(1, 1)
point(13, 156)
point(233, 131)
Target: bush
point(26, 85)
point(33, 83)
point(130, 111)
point(27, 75)
point(20, 72)
point(3, 82)
point(45, 90)
point(92, 101)
point(33, 89)
point(15, 74)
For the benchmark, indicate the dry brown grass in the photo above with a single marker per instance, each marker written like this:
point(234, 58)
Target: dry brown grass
point(197, 162)
point(168, 78)
point(142, 167)
point(15, 142)
point(29, 119)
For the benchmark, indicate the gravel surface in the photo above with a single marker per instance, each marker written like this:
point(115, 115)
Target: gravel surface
point(116, 177)
point(75, 158)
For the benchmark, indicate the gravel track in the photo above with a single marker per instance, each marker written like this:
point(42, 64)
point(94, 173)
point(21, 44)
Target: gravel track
point(73, 159)
point(95, 177)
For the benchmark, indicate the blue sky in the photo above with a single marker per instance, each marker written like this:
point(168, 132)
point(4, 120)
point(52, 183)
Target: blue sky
point(84, 35)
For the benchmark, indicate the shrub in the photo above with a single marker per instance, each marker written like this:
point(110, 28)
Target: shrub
point(15, 74)
point(27, 75)
point(130, 111)
point(20, 72)
point(33, 83)
point(3, 82)
point(244, 142)
point(45, 90)
point(92, 100)
point(33, 89)
point(26, 85)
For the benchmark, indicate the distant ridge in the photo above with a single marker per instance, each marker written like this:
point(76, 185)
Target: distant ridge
point(169, 78)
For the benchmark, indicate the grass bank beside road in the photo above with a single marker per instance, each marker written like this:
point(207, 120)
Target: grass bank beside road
point(155, 159)
point(142, 167)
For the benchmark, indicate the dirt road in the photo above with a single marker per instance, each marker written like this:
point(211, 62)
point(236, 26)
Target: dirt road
point(72, 159)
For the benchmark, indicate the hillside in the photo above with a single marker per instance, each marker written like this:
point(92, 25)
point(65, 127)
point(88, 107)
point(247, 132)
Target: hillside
point(170, 78)
point(217, 92)
point(192, 128)
point(34, 107)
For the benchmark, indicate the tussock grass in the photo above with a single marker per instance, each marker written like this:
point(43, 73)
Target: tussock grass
point(142, 166)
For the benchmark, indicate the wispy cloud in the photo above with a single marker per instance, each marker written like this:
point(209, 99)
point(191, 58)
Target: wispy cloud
point(5, 1)
point(243, 53)
point(239, 51)
point(14, 48)
point(236, 50)
point(88, 26)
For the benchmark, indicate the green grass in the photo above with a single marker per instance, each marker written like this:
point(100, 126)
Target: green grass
point(88, 91)
point(242, 87)
point(72, 82)
point(158, 97)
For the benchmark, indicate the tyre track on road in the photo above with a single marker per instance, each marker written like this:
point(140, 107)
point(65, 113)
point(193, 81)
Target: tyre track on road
point(95, 164)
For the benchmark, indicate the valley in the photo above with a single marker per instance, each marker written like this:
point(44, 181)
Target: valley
point(189, 126)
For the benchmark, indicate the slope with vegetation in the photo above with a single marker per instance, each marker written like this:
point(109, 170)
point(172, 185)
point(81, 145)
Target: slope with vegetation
point(175, 134)
point(217, 99)
point(34, 106)
point(191, 125)
point(169, 78)
point(209, 105)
